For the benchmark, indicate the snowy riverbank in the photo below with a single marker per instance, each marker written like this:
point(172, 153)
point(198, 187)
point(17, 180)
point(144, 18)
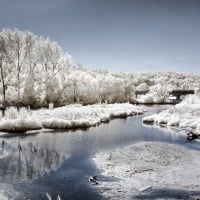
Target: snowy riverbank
point(67, 117)
point(183, 115)
point(149, 170)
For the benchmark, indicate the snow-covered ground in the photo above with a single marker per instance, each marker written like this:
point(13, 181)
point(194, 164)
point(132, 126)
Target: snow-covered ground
point(149, 170)
point(7, 192)
point(151, 98)
point(71, 116)
point(184, 115)
point(3, 153)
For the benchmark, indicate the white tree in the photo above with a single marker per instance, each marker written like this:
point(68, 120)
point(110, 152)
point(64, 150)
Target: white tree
point(29, 92)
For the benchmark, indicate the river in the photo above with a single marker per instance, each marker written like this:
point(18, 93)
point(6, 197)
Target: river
point(59, 162)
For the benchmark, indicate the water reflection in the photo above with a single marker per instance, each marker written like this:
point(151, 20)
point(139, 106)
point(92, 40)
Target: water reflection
point(32, 157)
point(59, 161)
point(26, 161)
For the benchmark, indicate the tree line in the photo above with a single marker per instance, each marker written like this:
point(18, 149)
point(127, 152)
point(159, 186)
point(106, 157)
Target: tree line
point(34, 71)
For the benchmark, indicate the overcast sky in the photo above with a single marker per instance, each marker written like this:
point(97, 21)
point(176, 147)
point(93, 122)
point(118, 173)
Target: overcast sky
point(119, 35)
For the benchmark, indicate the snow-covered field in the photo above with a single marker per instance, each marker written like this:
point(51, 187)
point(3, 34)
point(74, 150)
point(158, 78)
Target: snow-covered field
point(149, 170)
point(184, 115)
point(71, 116)
point(3, 153)
point(7, 192)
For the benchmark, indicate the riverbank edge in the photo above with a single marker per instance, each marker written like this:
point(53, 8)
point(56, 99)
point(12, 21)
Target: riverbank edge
point(66, 117)
point(183, 116)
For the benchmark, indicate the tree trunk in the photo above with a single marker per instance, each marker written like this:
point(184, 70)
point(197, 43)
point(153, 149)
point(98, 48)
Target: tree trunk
point(18, 80)
point(3, 87)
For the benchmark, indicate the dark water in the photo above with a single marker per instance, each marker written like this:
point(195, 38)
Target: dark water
point(60, 162)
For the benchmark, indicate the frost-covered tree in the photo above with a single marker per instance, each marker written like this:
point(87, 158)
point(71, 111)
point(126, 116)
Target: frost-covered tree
point(18, 50)
point(49, 54)
point(142, 87)
point(35, 71)
point(29, 92)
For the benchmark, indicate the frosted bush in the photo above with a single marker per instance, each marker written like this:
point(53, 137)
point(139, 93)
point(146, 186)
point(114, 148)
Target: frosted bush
point(11, 113)
point(184, 115)
point(24, 113)
point(51, 106)
point(173, 122)
point(64, 117)
point(2, 197)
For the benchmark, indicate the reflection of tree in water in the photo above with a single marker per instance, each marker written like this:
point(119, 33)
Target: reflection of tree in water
point(29, 162)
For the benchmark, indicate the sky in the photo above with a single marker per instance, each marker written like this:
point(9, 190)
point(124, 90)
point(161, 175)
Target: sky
point(118, 35)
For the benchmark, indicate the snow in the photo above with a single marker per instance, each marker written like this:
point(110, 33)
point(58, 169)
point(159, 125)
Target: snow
point(3, 153)
point(7, 192)
point(66, 117)
point(150, 99)
point(19, 125)
point(183, 115)
point(146, 167)
point(3, 197)
point(172, 97)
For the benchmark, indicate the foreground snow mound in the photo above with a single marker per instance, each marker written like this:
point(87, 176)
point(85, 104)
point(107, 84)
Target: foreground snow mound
point(19, 125)
point(184, 115)
point(148, 167)
point(67, 117)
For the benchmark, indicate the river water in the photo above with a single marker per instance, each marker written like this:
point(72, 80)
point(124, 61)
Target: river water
point(59, 162)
